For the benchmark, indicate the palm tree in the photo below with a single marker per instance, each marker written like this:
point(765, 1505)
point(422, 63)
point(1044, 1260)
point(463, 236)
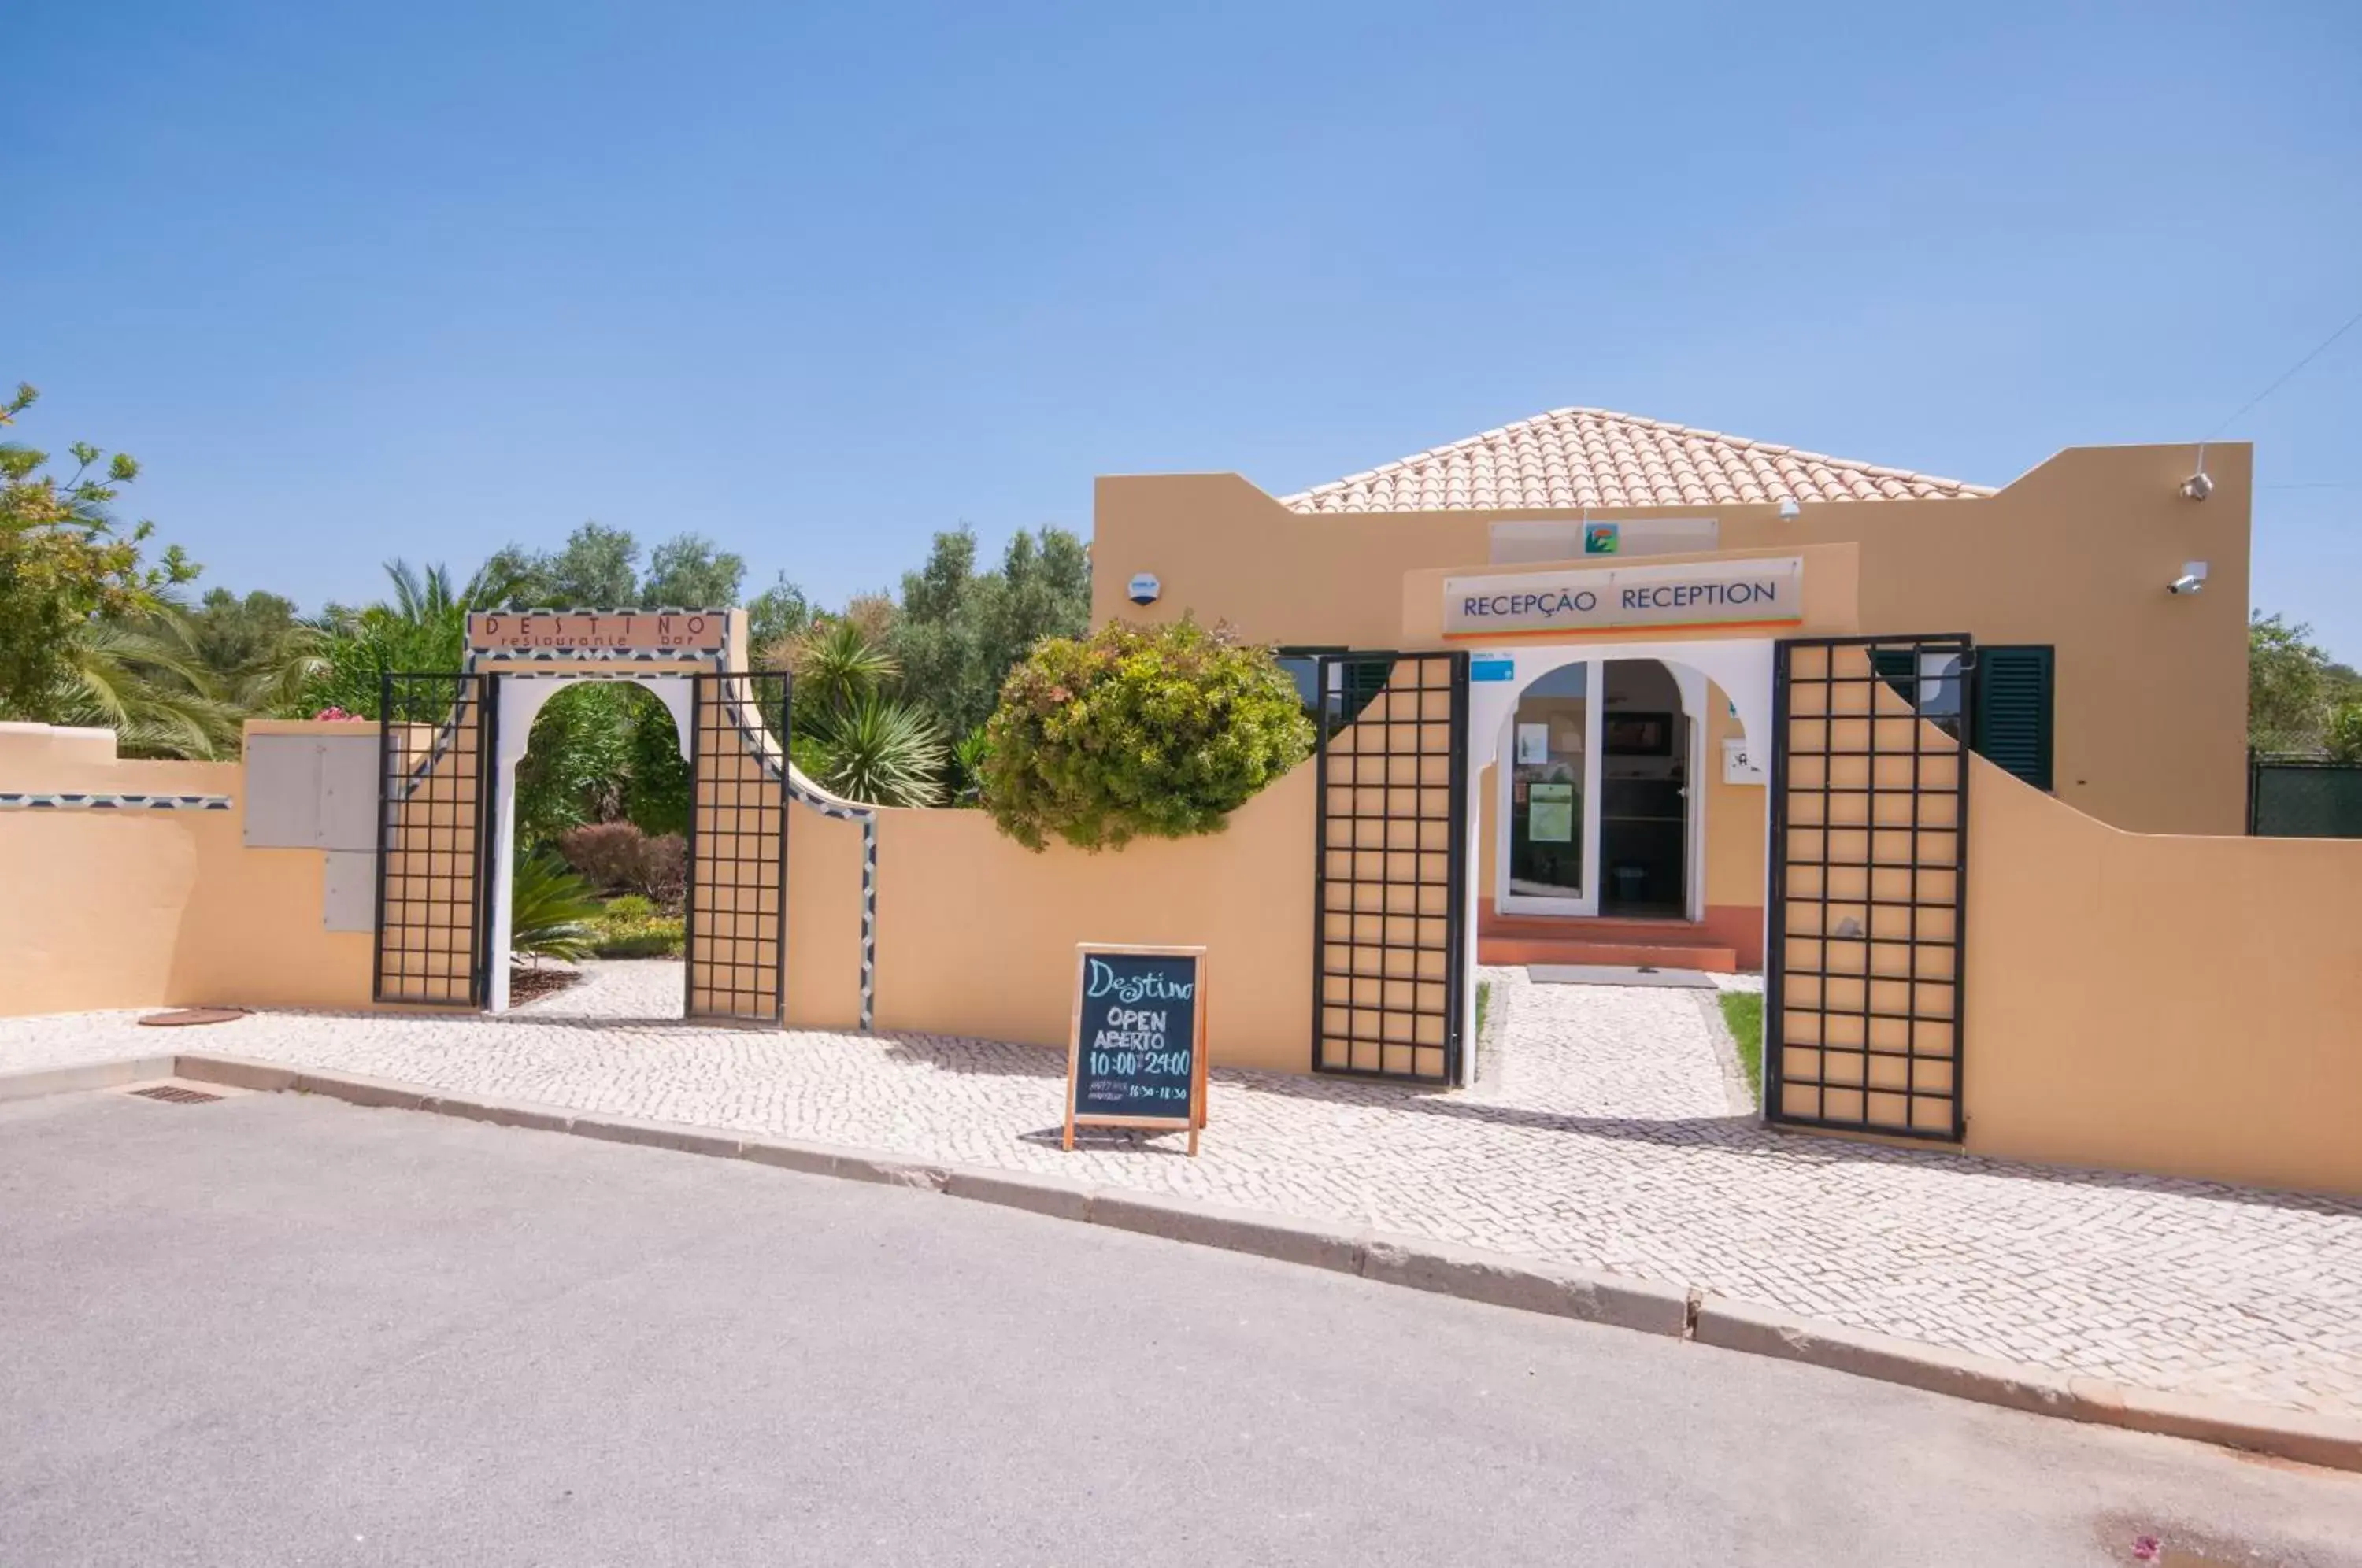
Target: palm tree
point(144, 680)
point(428, 599)
point(423, 630)
point(551, 910)
point(275, 678)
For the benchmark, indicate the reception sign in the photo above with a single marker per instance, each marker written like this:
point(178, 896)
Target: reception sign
point(1767, 592)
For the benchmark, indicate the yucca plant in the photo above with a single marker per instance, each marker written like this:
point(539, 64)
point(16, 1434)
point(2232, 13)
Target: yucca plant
point(876, 750)
point(552, 911)
point(849, 734)
point(967, 768)
point(836, 665)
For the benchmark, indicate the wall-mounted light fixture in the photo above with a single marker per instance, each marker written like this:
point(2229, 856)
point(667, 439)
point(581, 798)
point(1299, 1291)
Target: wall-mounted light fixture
point(2192, 577)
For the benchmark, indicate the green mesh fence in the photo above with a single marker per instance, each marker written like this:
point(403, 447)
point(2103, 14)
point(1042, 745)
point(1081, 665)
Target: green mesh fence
point(2304, 800)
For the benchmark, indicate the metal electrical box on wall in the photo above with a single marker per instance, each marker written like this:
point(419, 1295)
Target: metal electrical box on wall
point(349, 892)
point(320, 792)
point(312, 792)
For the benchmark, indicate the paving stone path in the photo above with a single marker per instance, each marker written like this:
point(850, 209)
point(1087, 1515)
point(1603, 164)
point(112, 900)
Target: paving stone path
point(1602, 1134)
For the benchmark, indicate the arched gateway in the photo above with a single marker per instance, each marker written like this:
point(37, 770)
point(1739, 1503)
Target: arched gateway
point(447, 804)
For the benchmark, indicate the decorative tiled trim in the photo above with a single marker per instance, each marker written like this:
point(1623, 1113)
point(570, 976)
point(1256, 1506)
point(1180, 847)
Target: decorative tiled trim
point(55, 801)
point(756, 737)
point(868, 921)
point(601, 656)
point(591, 675)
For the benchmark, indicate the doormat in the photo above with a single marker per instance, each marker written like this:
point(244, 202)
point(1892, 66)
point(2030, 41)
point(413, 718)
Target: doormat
point(1618, 975)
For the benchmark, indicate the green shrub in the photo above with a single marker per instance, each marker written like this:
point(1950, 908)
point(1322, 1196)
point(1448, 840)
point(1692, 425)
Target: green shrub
point(617, 857)
point(967, 768)
point(1161, 730)
point(633, 927)
point(2344, 738)
point(655, 789)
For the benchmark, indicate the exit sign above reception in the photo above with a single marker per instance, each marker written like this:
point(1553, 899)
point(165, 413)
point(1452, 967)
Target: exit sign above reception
point(1767, 592)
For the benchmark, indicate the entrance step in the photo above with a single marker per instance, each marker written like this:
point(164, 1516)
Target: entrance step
point(1618, 975)
point(1509, 940)
point(1510, 952)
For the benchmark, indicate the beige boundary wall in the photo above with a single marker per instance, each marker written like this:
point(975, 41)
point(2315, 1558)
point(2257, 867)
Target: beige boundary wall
point(977, 934)
point(2183, 1005)
point(129, 908)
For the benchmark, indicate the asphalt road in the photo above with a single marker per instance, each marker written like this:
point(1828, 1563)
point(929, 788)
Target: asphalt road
point(276, 1330)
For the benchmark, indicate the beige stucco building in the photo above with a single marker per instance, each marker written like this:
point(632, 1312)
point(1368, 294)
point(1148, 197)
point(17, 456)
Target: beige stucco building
point(1646, 843)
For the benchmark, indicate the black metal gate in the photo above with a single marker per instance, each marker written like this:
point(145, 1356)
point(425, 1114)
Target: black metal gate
point(435, 746)
point(736, 936)
point(1390, 873)
point(1864, 968)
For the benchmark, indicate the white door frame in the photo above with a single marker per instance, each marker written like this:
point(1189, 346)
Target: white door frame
point(1504, 753)
point(1740, 666)
point(1696, 704)
point(522, 697)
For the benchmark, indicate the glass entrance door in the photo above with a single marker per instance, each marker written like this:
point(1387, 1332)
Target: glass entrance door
point(1550, 770)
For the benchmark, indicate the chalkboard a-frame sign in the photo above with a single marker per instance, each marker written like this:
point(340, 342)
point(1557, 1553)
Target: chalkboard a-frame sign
point(1138, 1054)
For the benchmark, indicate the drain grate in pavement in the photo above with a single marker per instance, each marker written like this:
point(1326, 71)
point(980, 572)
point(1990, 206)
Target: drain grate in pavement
point(173, 1093)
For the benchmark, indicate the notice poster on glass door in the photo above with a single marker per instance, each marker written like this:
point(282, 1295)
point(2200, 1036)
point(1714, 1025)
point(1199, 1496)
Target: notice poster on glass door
point(1549, 814)
point(1533, 745)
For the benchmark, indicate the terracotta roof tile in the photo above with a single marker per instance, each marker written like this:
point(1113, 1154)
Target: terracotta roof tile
point(1589, 457)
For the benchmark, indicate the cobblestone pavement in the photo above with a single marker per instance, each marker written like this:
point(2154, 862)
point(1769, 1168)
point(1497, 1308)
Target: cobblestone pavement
point(1602, 1136)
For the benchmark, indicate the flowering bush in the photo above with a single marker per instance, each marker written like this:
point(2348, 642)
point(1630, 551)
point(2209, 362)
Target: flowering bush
point(337, 715)
point(1157, 729)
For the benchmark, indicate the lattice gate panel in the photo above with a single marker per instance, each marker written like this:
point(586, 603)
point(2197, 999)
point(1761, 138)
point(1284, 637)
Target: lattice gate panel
point(737, 917)
point(1869, 824)
point(435, 753)
point(1390, 865)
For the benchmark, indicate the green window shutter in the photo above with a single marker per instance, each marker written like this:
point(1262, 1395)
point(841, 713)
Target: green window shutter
point(2013, 702)
point(1899, 668)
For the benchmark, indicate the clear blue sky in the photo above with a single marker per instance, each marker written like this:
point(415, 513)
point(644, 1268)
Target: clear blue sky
point(817, 280)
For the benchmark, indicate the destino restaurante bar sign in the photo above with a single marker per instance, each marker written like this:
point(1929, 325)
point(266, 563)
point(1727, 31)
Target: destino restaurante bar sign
point(1767, 593)
point(511, 631)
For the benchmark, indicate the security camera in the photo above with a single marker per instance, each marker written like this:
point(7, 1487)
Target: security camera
point(2192, 577)
point(2198, 486)
point(1789, 509)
